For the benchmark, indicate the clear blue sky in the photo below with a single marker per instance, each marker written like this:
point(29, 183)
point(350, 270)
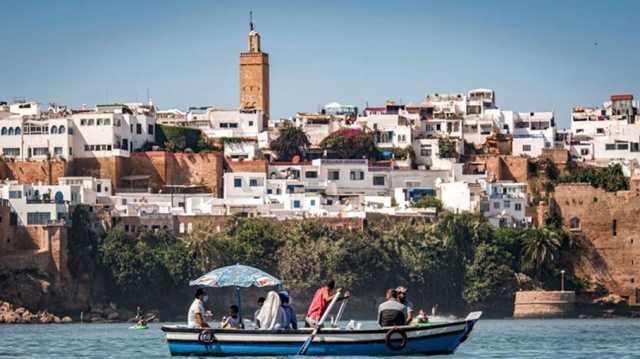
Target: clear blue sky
point(537, 55)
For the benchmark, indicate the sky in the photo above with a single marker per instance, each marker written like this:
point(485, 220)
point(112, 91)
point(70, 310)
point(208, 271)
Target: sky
point(536, 55)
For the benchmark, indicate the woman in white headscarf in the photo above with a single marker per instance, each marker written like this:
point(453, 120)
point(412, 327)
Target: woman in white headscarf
point(271, 313)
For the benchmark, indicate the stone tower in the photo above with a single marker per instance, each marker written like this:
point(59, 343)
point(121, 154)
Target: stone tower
point(254, 76)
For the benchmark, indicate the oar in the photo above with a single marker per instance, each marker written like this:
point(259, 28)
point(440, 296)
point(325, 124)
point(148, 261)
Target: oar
point(316, 329)
point(340, 312)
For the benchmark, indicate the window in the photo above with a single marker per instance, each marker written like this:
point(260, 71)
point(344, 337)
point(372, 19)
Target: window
point(11, 131)
point(40, 151)
point(610, 146)
point(378, 180)
point(126, 228)
point(87, 148)
point(150, 129)
point(574, 224)
point(634, 147)
point(600, 131)
point(224, 125)
point(584, 151)
point(57, 151)
point(15, 194)
point(233, 125)
point(99, 187)
point(517, 207)
point(250, 123)
point(356, 175)
point(296, 203)
point(312, 203)
point(402, 138)
point(311, 174)
point(11, 152)
point(90, 122)
point(253, 182)
point(507, 204)
point(496, 205)
point(138, 128)
point(526, 148)
point(425, 152)
point(83, 122)
point(237, 182)
point(125, 144)
point(3, 132)
point(61, 129)
point(333, 175)
point(623, 146)
point(54, 130)
point(38, 218)
point(99, 122)
point(106, 121)
point(614, 227)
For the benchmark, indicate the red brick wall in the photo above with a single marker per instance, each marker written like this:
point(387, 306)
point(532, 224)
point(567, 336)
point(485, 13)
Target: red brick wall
point(608, 258)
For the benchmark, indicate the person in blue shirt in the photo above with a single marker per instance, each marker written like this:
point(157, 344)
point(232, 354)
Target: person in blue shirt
point(291, 322)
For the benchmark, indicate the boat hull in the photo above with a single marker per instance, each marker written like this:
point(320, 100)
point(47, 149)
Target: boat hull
point(430, 340)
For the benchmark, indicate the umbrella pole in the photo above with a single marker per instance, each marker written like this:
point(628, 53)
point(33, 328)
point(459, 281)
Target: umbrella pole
point(239, 304)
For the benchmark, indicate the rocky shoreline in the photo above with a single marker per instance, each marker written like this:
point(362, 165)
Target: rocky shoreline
point(22, 315)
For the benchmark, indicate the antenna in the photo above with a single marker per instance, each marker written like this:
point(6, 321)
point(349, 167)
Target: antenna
point(251, 20)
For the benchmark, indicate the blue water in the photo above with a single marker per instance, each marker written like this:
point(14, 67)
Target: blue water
point(607, 338)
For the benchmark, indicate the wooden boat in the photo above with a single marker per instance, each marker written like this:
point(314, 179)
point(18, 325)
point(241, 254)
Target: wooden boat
point(432, 339)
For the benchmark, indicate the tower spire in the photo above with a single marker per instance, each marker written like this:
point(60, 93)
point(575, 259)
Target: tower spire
point(250, 20)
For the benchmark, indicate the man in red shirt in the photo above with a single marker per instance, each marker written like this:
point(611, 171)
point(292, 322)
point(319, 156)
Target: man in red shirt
point(321, 299)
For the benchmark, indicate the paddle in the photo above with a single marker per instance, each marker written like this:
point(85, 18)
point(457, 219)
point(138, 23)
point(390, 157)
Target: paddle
point(340, 312)
point(316, 329)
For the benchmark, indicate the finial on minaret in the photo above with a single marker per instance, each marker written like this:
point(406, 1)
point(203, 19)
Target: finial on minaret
point(250, 20)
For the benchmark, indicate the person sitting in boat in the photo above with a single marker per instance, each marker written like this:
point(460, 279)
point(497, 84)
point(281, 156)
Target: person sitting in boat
point(321, 299)
point(402, 298)
point(272, 314)
point(421, 318)
point(391, 312)
point(195, 318)
point(233, 320)
point(257, 312)
point(291, 322)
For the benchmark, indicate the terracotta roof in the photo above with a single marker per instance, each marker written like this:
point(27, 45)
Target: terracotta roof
point(621, 97)
point(246, 166)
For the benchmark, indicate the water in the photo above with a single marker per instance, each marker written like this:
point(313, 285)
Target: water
point(567, 339)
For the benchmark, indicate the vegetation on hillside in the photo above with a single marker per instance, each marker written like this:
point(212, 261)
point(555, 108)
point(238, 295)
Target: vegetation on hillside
point(458, 261)
point(350, 143)
point(292, 141)
point(609, 178)
point(182, 139)
point(447, 148)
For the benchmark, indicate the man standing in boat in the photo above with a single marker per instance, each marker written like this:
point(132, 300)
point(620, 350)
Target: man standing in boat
point(321, 299)
point(195, 318)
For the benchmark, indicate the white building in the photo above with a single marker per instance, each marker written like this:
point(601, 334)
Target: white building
point(233, 123)
point(532, 132)
point(506, 204)
point(36, 204)
point(608, 133)
point(245, 185)
point(109, 130)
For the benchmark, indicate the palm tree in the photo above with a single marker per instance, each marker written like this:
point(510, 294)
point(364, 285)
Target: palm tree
point(540, 249)
point(291, 141)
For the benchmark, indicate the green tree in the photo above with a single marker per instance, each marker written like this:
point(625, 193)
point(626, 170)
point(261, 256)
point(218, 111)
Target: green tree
point(609, 178)
point(447, 148)
point(489, 276)
point(292, 141)
point(427, 202)
point(540, 250)
point(350, 143)
point(83, 242)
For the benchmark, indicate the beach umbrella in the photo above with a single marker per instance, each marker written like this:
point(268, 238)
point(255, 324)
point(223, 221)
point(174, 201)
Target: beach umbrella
point(236, 276)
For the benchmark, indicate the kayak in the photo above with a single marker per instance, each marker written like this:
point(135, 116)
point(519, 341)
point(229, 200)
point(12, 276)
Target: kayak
point(434, 339)
point(139, 327)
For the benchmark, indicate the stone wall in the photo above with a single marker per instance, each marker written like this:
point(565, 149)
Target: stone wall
point(544, 304)
point(102, 167)
point(606, 229)
point(47, 171)
point(503, 167)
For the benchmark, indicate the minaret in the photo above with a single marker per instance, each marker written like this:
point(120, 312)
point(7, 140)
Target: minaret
point(254, 75)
